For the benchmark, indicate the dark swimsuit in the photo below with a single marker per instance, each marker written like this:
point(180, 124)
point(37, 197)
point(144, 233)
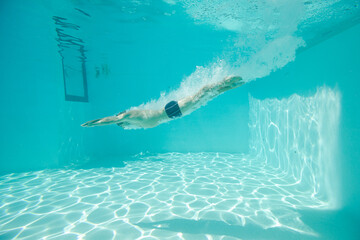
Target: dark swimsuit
point(172, 109)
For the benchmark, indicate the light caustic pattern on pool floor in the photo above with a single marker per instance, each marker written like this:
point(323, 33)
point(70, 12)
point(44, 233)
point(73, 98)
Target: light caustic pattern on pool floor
point(146, 198)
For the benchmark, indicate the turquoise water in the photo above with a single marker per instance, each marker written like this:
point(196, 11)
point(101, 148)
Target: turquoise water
point(277, 158)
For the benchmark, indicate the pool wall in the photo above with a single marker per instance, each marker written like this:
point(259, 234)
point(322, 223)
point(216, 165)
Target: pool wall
point(298, 137)
point(334, 63)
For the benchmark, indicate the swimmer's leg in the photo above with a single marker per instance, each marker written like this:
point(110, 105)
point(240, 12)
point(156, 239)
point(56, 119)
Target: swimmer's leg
point(123, 112)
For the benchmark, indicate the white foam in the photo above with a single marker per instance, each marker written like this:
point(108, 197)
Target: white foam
point(273, 56)
point(265, 41)
point(192, 84)
point(266, 38)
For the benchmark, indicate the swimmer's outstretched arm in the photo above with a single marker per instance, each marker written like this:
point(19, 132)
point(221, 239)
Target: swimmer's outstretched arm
point(102, 121)
point(145, 118)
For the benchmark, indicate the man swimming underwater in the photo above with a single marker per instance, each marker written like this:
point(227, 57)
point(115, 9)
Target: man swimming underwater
point(147, 118)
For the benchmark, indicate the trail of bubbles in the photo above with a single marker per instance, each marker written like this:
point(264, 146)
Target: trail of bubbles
point(265, 41)
point(202, 76)
point(273, 56)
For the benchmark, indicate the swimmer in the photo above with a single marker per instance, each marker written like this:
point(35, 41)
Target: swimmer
point(147, 118)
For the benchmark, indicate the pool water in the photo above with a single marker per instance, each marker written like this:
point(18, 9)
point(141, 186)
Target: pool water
point(277, 158)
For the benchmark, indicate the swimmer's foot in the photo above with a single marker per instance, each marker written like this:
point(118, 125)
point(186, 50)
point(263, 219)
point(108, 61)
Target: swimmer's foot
point(230, 82)
point(233, 80)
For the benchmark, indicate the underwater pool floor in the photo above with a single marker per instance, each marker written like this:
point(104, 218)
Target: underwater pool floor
point(166, 196)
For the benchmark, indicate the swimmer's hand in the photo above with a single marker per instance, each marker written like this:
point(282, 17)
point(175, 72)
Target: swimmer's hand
point(118, 119)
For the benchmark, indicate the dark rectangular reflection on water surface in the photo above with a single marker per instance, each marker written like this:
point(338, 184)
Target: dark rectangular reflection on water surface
point(73, 61)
